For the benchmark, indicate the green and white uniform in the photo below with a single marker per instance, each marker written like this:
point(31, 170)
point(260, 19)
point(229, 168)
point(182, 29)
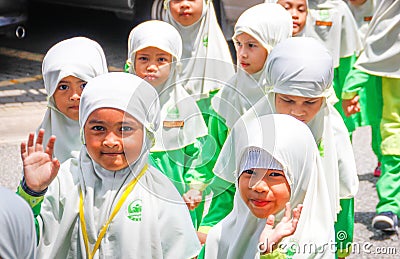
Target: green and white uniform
point(177, 147)
point(269, 24)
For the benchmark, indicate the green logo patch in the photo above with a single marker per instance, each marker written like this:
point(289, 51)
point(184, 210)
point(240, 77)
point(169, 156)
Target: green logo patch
point(134, 211)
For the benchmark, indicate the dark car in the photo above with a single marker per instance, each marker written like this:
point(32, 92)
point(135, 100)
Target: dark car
point(13, 17)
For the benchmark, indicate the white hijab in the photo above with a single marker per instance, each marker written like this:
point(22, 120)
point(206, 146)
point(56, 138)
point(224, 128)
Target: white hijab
point(164, 230)
point(269, 24)
point(80, 57)
point(18, 233)
point(237, 235)
point(302, 66)
point(332, 23)
point(177, 106)
point(206, 59)
point(363, 15)
point(381, 53)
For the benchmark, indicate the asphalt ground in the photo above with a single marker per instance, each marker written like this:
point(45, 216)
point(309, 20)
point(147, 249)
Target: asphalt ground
point(23, 103)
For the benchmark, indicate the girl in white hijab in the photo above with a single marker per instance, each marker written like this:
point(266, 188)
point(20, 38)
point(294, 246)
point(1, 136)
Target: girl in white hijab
point(66, 69)
point(300, 71)
point(294, 174)
point(257, 31)
point(176, 150)
point(332, 23)
point(109, 203)
point(17, 235)
point(206, 59)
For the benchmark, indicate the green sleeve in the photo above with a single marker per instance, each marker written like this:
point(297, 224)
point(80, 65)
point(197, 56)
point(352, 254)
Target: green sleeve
point(341, 72)
point(354, 82)
point(35, 203)
point(196, 175)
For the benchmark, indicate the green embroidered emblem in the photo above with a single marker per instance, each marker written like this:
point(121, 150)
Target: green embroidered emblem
point(172, 112)
point(324, 15)
point(205, 41)
point(135, 210)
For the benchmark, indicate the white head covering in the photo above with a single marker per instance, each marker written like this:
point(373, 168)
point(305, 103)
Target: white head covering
point(161, 227)
point(269, 24)
point(237, 235)
point(80, 57)
point(381, 53)
point(362, 15)
point(18, 233)
point(332, 23)
point(177, 106)
point(302, 66)
point(206, 59)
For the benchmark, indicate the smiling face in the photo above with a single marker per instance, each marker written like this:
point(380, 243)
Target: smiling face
point(113, 138)
point(153, 65)
point(250, 53)
point(302, 108)
point(68, 95)
point(298, 11)
point(264, 191)
point(186, 12)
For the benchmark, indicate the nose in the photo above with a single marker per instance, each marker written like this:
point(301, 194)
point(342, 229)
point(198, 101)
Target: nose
point(111, 140)
point(242, 53)
point(297, 112)
point(76, 95)
point(294, 13)
point(260, 186)
point(184, 4)
point(152, 68)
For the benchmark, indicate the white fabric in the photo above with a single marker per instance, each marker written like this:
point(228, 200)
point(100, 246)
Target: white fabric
point(206, 59)
point(258, 158)
point(163, 228)
point(237, 235)
point(176, 104)
point(362, 14)
point(18, 233)
point(80, 57)
point(341, 38)
point(269, 24)
point(381, 53)
point(303, 67)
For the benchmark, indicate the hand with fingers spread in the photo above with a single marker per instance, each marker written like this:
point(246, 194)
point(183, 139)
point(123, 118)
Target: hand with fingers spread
point(351, 106)
point(40, 168)
point(192, 198)
point(271, 236)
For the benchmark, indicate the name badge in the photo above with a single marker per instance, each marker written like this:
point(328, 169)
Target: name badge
point(173, 124)
point(323, 23)
point(367, 18)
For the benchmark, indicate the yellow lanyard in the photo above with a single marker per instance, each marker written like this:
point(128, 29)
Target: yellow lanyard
point(125, 194)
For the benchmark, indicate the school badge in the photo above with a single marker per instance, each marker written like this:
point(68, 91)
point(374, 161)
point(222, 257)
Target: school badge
point(134, 210)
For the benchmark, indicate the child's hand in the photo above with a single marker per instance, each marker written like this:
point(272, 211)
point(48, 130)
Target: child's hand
point(351, 106)
point(39, 166)
point(270, 237)
point(192, 198)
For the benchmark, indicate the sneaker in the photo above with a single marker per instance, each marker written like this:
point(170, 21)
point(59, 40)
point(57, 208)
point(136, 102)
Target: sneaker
point(385, 221)
point(377, 171)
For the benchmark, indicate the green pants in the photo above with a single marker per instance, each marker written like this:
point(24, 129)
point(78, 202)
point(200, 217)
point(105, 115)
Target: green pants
point(344, 227)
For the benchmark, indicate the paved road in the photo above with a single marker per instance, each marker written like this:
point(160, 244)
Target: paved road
point(22, 105)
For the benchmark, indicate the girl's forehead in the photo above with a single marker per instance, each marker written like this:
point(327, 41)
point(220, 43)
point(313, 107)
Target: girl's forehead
point(245, 37)
point(152, 50)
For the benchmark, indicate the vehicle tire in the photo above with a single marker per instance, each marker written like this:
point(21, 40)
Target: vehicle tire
point(157, 10)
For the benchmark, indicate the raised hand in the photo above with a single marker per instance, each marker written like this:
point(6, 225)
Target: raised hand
point(192, 198)
point(351, 106)
point(270, 237)
point(39, 166)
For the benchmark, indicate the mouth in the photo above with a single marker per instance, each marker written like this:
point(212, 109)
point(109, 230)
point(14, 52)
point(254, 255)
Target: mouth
point(259, 203)
point(74, 107)
point(185, 14)
point(112, 154)
point(151, 77)
point(244, 64)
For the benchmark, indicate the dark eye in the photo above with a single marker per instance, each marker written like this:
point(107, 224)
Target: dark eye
point(252, 45)
point(63, 87)
point(238, 44)
point(143, 58)
point(83, 85)
point(249, 172)
point(163, 60)
point(275, 174)
point(126, 128)
point(98, 128)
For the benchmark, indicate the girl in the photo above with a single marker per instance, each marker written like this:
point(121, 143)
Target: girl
point(332, 23)
point(206, 59)
point(66, 68)
point(154, 51)
point(108, 202)
point(298, 11)
point(257, 31)
point(268, 172)
point(300, 71)
point(17, 236)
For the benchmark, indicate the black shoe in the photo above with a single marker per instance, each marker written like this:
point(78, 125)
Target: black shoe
point(385, 221)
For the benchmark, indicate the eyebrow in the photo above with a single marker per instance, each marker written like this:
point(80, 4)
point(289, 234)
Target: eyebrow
point(94, 121)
